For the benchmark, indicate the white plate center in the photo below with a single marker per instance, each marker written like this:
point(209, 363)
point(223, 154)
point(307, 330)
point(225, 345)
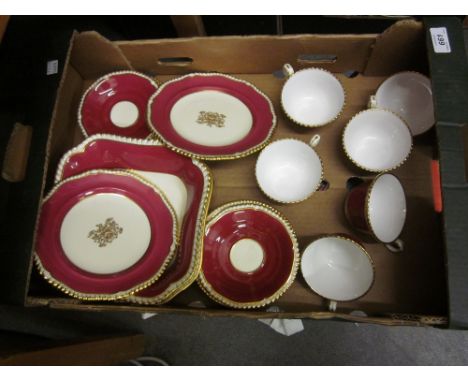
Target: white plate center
point(124, 114)
point(211, 118)
point(105, 233)
point(246, 255)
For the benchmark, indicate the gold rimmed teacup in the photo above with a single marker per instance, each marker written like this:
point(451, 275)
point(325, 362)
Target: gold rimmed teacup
point(312, 97)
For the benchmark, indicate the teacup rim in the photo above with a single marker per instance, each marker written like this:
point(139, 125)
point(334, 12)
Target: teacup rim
point(320, 124)
point(294, 201)
point(367, 206)
point(397, 74)
point(355, 242)
point(378, 171)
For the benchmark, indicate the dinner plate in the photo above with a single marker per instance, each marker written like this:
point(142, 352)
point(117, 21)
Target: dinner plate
point(107, 151)
point(116, 104)
point(211, 116)
point(103, 235)
point(250, 255)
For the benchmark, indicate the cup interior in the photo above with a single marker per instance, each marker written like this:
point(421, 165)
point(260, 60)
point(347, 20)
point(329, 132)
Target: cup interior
point(386, 208)
point(288, 170)
point(409, 94)
point(337, 268)
point(312, 97)
point(377, 140)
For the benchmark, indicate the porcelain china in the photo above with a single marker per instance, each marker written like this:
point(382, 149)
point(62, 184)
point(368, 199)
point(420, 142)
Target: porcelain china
point(250, 255)
point(408, 94)
point(378, 208)
point(167, 170)
point(377, 140)
point(312, 97)
point(116, 104)
point(211, 116)
point(104, 235)
point(337, 268)
point(289, 170)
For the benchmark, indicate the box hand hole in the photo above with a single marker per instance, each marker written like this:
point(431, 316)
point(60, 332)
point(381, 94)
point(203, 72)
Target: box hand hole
point(175, 61)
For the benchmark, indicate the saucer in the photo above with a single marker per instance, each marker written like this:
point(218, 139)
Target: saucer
point(250, 255)
point(103, 235)
point(116, 104)
point(211, 116)
point(111, 152)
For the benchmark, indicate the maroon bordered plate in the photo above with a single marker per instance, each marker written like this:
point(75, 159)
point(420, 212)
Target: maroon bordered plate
point(116, 104)
point(250, 255)
point(211, 116)
point(111, 152)
point(103, 235)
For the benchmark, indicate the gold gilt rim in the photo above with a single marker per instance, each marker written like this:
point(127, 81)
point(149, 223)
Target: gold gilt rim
point(83, 146)
point(338, 115)
point(99, 80)
point(122, 294)
point(197, 253)
point(217, 157)
point(294, 201)
point(251, 204)
point(361, 246)
point(367, 168)
point(195, 265)
point(403, 72)
point(367, 206)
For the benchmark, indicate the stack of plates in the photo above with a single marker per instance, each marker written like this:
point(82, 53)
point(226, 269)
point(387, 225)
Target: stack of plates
point(123, 220)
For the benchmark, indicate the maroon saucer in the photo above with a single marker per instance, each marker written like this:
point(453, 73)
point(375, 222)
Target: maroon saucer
point(116, 104)
point(248, 284)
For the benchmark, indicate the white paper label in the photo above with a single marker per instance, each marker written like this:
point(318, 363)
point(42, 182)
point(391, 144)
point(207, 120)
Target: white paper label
point(52, 67)
point(440, 40)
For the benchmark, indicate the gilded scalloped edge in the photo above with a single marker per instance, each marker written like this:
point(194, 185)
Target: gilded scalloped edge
point(81, 148)
point(339, 236)
point(240, 154)
point(294, 201)
point(366, 168)
point(122, 294)
point(99, 80)
point(251, 204)
point(321, 124)
point(367, 206)
point(197, 253)
point(401, 72)
point(191, 275)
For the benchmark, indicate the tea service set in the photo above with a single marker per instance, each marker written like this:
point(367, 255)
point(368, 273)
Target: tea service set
point(127, 219)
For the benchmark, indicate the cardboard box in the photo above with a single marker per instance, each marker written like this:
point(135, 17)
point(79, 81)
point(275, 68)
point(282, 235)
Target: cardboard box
point(410, 288)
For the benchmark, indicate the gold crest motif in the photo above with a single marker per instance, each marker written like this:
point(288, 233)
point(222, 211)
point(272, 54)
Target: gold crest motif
point(105, 233)
point(211, 119)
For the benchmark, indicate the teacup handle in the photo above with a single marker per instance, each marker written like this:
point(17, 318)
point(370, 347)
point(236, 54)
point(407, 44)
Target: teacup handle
point(314, 141)
point(332, 305)
point(396, 246)
point(288, 70)
point(372, 104)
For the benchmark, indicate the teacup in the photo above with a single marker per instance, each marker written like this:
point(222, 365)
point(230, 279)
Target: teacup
point(337, 268)
point(311, 97)
point(378, 208)
point(377, 140)
point(408, 94)
point(289, 170)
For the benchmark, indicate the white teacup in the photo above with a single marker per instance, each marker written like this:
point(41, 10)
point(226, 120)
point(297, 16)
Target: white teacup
point(408, 94)
point(311, 97)
point(337, 268)
point(289, 170)
point(377, 140)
